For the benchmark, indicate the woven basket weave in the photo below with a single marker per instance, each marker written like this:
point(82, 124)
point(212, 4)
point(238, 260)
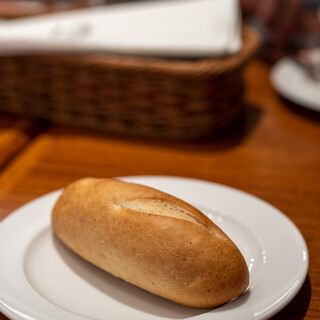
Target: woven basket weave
point(166, 98)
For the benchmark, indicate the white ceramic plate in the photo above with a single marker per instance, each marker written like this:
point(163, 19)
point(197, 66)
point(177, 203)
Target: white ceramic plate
point(293, 83)
point(42, 279)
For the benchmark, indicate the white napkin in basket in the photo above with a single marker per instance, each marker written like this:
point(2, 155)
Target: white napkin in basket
point(184, 28)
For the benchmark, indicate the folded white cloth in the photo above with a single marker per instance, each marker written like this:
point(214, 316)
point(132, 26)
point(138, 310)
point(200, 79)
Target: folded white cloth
point(184, 28)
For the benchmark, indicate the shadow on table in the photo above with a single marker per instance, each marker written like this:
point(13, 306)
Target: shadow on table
point(308, 113)
point(240, 132)
point(298, 307)
point(237, 135)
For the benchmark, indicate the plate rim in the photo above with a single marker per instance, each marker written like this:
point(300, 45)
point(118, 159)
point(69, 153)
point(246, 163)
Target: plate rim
point(283, 91)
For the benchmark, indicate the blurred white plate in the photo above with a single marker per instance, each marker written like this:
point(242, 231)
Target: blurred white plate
point(41, 279)
point(293, 83)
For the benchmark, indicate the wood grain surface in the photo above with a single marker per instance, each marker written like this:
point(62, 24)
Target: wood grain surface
point(274, 154)
point(15, 133)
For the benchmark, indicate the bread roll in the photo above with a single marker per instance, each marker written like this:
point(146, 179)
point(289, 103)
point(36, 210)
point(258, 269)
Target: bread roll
point(152, 240)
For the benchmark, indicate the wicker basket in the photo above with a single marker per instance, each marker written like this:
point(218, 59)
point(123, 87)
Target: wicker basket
point(165, 98)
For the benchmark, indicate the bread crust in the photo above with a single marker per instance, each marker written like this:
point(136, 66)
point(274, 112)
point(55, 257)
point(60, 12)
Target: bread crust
point(181, 256)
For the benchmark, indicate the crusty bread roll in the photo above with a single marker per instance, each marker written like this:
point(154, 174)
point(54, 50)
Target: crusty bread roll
point(152, 240)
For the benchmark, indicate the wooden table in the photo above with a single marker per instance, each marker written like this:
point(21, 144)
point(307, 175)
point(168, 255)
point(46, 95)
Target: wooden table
point(275, 156)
